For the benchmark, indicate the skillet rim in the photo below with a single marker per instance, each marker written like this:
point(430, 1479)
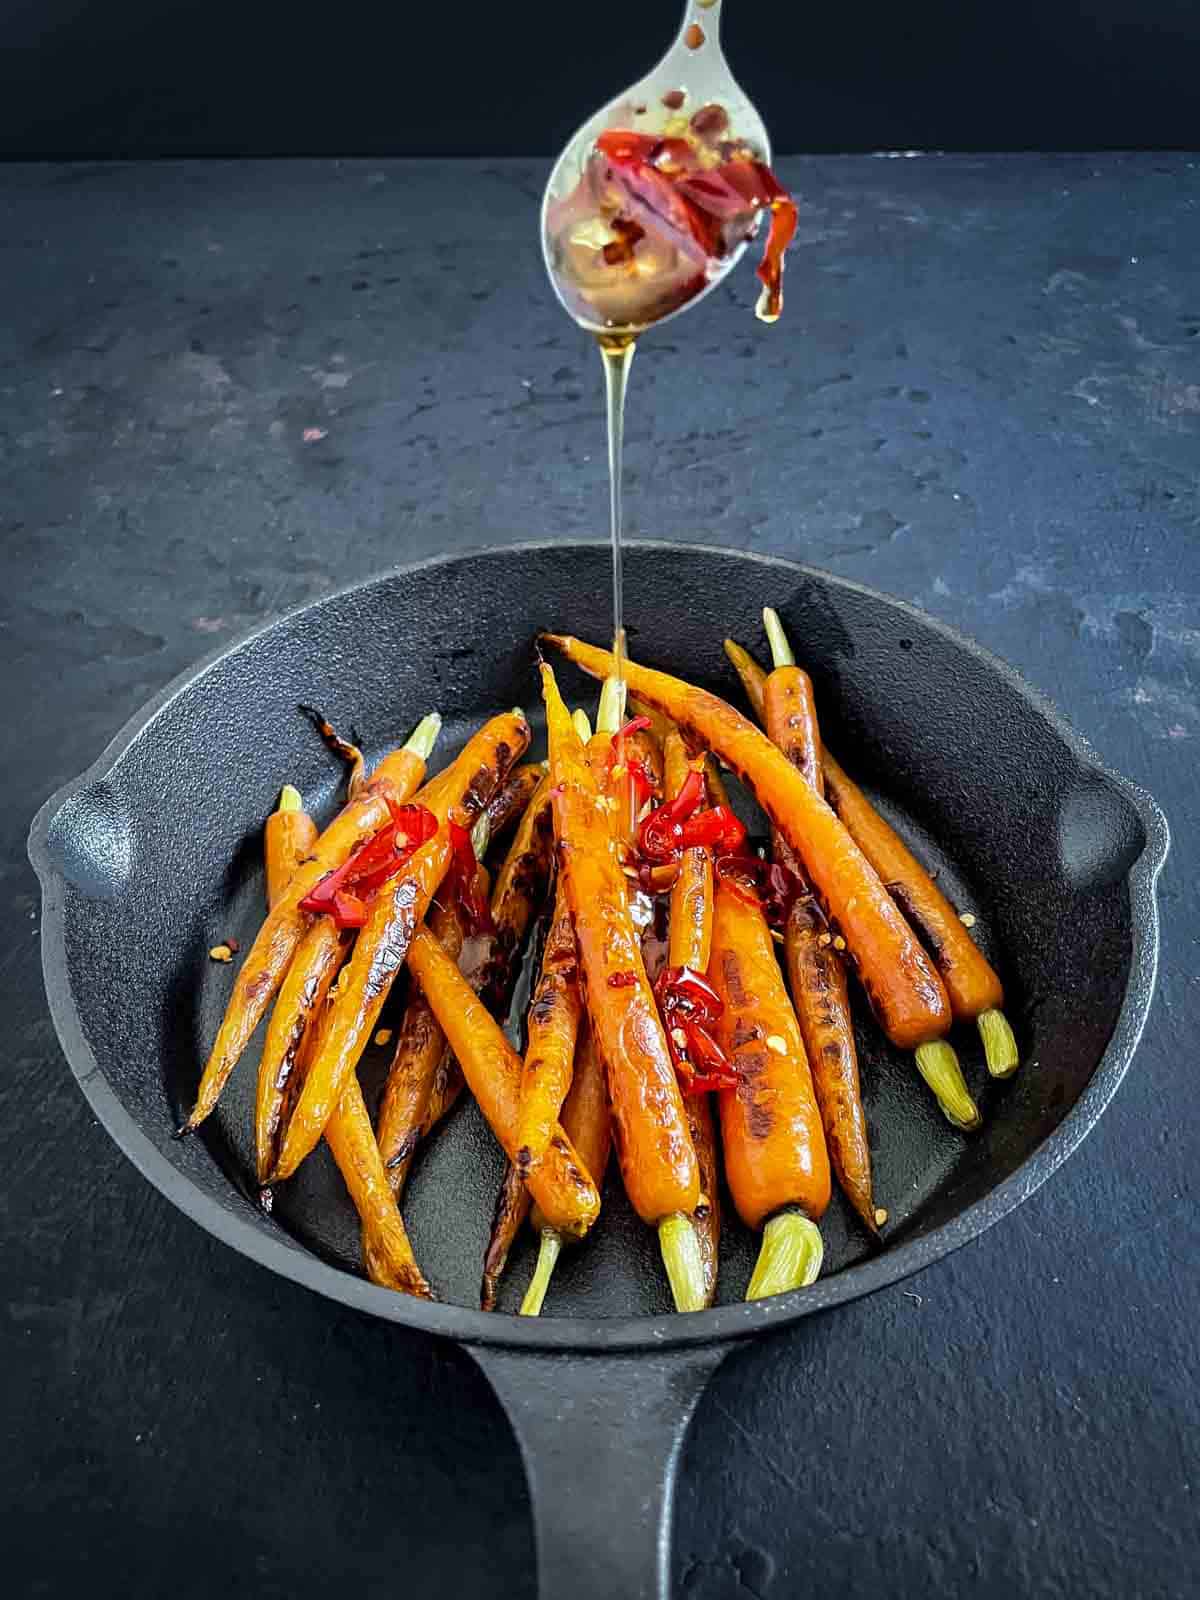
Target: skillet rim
point(598, 1336)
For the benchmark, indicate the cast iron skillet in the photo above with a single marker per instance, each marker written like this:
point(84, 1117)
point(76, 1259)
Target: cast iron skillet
point(153, 854)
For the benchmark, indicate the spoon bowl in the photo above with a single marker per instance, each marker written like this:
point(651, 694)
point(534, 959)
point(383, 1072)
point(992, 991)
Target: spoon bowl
point(692, 74)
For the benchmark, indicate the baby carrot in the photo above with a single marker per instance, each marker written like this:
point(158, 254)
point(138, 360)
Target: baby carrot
point(553, 1025)
point(775, 1158)
point(689, 944)
point(559, 1182)
point(586, 1122)
point(658, 1161)
point(289, 836)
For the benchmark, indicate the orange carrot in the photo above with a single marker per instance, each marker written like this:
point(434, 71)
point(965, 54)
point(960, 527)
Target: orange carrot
point(289, 836)
point(553, 1025)
point(654, 1146)
point(559, 1182)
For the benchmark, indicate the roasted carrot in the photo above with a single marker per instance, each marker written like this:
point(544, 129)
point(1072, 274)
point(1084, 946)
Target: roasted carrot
point(689, 944)
point(382, 944)
point(975, 990)
point(935, 1059)
point(513, 1203)
point(520, 887)
point(553, 1026)
point(422, 1068)
point(588, 1125)
point(507, 806)
point(776, 1163)
point(658, 1161)
point(289, 836)
point(386, 1248)
point(396, 777)
point(559, 1182)
point(901, 982)
point(308, 980)
point(816, 972)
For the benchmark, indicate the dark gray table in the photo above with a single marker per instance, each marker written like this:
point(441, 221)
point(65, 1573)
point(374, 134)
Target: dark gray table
point(227, 388)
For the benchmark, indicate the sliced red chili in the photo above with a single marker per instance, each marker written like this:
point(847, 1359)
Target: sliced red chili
point(770, 883)
point(342, 893)
point(660, 835)
point(717, 827)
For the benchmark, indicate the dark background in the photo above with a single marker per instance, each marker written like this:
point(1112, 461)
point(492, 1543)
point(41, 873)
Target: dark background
point(224, 77)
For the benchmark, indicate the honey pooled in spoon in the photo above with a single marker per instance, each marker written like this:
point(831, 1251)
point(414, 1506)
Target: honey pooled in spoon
point(655, 217)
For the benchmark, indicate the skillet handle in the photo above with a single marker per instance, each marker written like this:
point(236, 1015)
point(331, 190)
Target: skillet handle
point(601, 1437)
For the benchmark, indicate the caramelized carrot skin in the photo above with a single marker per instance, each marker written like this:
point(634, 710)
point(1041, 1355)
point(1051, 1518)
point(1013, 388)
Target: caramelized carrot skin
point(790, 718)
point(774, 1146)
point(289, 836)
point(658, 1162)
point(553, 1027)
point(386, 1248)
point(510, 801)
point(313, 969)
point(900, 980)
point(261, 973)
point(382, 944)
point(689, 937)
point(706, 1219)
point(970, 979)
point(817, 978)
point(420, 1047)
point(520, 888)
point(559, 1183)
point(816, 972)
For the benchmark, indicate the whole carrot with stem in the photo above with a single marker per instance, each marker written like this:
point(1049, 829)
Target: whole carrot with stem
point(396, 778)
point(816, 972)
point(901, 982)
point(588, 1125)
point(289, 836)
point(398, 908)
point(559, 1183)
point(658, 1160)
point(689, 945)
point(776, 1163)
point(513, 1200)
point(936, 1060)
point(976, 993)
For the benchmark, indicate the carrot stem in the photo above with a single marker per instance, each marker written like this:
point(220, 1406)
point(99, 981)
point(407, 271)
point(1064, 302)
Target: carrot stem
point(938, 1065)
point(548, 1252)
point(684, 1262)
point(781, 650)
point(999, 1045)
point(582, 726)
point(790, 1257)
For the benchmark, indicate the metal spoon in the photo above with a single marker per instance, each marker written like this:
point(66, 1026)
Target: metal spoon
point(695, 66)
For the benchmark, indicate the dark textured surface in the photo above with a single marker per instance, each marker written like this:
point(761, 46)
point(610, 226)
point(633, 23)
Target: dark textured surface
point(985, 401)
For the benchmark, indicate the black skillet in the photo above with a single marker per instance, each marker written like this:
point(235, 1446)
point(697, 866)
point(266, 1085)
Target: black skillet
point(153, 855)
